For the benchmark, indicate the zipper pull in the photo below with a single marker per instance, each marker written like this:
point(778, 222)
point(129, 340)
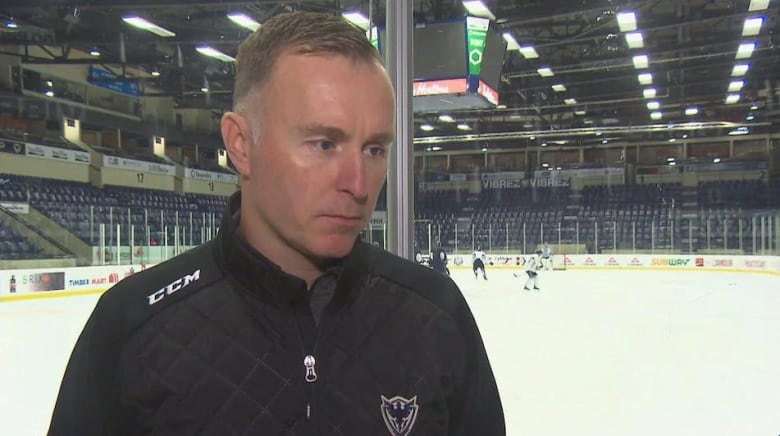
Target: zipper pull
point(309, 362)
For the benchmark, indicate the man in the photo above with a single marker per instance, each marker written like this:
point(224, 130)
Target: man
point(478, 259)
point(532, 266)
point(286, 323)
point(547, 257)
point(439, 260)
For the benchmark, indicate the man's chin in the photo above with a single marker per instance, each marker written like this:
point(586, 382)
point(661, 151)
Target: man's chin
point(333, 247)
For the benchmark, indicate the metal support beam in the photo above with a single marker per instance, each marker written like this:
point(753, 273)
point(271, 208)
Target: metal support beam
point(400, 183)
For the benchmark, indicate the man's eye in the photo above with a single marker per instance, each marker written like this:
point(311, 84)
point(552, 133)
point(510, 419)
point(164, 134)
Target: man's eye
point(324, 145)
point(376, 151)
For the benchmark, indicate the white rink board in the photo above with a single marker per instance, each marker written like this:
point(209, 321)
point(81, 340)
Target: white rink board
point(594, 353)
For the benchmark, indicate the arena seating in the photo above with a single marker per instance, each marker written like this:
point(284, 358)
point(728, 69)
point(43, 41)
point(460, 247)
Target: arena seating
point(714, 215)
point(14, 246)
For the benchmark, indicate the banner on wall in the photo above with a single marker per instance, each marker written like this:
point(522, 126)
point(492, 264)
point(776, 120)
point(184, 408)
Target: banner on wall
point(55, 153)
point(210, 176)
point(13, 147)
point(16, 207)
point(20, 282)
point(138, 165)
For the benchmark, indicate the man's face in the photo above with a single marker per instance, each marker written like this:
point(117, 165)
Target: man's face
point(318, 155)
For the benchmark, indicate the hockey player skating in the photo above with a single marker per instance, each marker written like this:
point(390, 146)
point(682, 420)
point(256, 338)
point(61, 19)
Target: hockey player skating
point(478, 259)
point(532, 266)
point(438, 260)
point(547, 257)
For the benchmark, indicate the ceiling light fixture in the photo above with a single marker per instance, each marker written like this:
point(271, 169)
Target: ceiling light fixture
point(758, 5)
point(745, 50)
point(511, 42)
point(545, 72)
point(752, 26)
point(736, 85)
point(529, 52)
point(635, 40)
point(426, 127)
point(626, 21)
point(653, 105)
point(559, 87)
point(656, 115)
point(645, 79)
point(144, 24)
point(478, 9)
point(357, 18)
point(691, 111)
point(740, 70)
point(446, 118)
point(640, 62)
point(244, 20)
point(732, 98)
point(649, 93)
point(211, 52)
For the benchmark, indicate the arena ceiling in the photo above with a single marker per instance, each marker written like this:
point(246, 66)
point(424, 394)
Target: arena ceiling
point(691, 49)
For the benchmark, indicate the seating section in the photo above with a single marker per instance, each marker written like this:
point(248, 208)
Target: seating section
point(13, 246)
point(715, 215)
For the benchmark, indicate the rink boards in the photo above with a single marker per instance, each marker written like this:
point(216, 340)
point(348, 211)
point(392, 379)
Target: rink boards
point(58, 282)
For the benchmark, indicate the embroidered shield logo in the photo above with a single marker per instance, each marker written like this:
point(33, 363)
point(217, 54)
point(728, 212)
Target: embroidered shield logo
point(399, 414)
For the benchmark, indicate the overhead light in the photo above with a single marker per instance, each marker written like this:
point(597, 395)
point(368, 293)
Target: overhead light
point(501, 106)
point(653, 105)
point(244, 20)
point(11, 24)
point(147, 25)
point(529, 52)
point(446, 118)
point(649, 92)
point(580, 112)
point(155, 72)
point(685, 136)
point(671, 159)
point(545, 72)
point(484, 149)
point(357, 18)
point(588, 122)
point(672, 139)
point(49, 83)
point(49, 93)
point(645, 79)
point(204, 89)
point(545, 165)
point(750, 117)
point(543, 144)
point(716, 160)
point(463, 126)
point(752, 26)
point(426, 127)
point(478, 9)
point(739, 131)
point(604, 141)
point(94, 52)
point(740, 70)
point(732, 98)
point(736, 85)
point(626, 21)
point(559, 87)
point(635, 40)
point(435, 148)
point(758, 5)
point(211, 52)
point(640, 62)
point(745, 50)
point(532, 137)
point(599, 133)
point(570, 101)
point(511, 42)
point(754, 107)
point(656, 115)
point(691, 111)
point(672, 163)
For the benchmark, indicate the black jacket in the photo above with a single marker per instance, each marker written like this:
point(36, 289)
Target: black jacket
point(215, 342)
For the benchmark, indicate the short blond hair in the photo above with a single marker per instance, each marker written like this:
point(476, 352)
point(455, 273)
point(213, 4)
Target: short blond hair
point(297, 33)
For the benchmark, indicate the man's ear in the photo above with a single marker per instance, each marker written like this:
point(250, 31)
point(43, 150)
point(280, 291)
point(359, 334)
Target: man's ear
point(237, 137)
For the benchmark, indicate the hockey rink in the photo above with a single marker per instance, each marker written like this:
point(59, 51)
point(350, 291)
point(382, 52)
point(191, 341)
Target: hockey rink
point(593, 353)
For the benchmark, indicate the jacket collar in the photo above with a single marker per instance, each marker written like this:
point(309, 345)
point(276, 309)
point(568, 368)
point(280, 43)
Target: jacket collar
point(244, 264)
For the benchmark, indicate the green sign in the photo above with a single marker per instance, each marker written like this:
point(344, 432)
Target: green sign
point(373, 36)
point(476, 36)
